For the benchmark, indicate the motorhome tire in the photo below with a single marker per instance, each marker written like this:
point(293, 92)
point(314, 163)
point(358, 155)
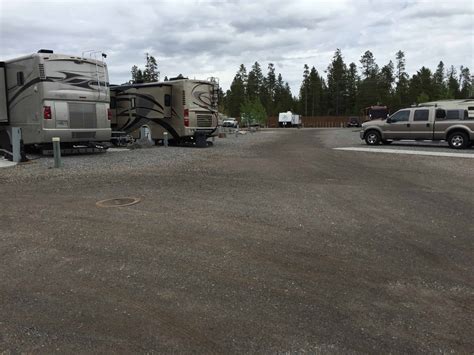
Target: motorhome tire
point(372, 137)
point(458, 140)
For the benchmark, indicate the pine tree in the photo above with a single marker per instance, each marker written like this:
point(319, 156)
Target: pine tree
point(369, 67)
point(236, 94)
point(439, 82)
point(421, 86)
point(254, 82)
point(465, 83)
point(386, 80)
point(304, 90)
point(402, 89)
point(352, 85)
point(337, 84)
point(151, 73)
point(453, 84)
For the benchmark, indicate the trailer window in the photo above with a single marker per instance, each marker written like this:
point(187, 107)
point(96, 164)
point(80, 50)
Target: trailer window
point(421, 115)
point(20, 78)
point(453, 115)
point(167, 100)
point(440, 114)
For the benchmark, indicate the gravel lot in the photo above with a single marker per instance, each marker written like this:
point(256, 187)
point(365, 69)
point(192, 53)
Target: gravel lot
point(269, 242)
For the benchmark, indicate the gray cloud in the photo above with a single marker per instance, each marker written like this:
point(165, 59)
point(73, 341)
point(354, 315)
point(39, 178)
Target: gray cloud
point(212, 38)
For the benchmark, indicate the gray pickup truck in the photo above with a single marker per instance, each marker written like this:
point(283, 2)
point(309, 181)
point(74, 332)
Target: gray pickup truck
point(422, 123)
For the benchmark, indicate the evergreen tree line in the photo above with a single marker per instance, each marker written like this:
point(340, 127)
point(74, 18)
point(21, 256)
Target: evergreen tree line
point(149, 74)
point(346, 89)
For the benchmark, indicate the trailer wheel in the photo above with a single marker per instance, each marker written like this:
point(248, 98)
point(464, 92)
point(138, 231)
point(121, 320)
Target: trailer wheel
point(458, 140)
point(372, 137)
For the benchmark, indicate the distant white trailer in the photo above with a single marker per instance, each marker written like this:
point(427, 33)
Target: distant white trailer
point(289, 119)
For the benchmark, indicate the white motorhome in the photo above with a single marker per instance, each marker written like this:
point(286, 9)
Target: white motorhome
point(463, 104)
point(185, 109)
point(53, 95)
point(289, 119)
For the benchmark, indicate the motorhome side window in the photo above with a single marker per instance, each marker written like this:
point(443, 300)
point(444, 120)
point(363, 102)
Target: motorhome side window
point(400, 116)
point(20, 79)
point(167, 100)
point(421, 115)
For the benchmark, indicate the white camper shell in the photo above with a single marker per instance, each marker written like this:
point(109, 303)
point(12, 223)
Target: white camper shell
point(53, 95)
point(289, 119)
point(185, 109)
point(463, 104)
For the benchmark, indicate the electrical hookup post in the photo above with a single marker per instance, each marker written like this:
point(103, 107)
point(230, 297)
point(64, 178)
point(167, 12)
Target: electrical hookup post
point(16, 144)
point(57, 152)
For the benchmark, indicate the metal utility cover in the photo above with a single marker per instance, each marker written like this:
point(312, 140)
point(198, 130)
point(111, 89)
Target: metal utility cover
point(118, 202)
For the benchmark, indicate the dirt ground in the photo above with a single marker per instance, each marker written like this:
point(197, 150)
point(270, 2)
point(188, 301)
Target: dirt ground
point(280, 245)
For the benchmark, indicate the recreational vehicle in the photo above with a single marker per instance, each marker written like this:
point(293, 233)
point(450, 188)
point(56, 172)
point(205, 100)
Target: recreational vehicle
point(465, 104)
point(185, 109)
point(289, 119)
point(53, 95)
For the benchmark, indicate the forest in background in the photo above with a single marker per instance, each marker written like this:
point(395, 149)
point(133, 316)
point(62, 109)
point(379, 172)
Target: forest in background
point(345, 89)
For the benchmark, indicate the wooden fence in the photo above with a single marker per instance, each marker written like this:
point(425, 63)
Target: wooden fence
point(314, 121)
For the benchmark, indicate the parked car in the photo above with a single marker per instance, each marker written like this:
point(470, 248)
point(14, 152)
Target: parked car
point(232, 123)
point(422, 123)
point(353, 122)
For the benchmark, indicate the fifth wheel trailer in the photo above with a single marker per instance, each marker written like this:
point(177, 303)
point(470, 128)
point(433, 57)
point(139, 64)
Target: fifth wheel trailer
point(54, 95)
point(185, 109)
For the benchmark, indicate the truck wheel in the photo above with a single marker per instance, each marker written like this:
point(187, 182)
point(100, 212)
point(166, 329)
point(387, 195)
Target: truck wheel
point(372, 138)
point(458, 140)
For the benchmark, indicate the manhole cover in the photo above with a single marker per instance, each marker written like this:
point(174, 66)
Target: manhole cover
point(118, 202)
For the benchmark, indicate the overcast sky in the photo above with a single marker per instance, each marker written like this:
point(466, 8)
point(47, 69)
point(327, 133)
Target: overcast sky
point(212, 38)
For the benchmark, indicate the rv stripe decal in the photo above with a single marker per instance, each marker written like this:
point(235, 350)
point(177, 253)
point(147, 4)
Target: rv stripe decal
point(85, 85)
point(135, 124)
point(23, 88)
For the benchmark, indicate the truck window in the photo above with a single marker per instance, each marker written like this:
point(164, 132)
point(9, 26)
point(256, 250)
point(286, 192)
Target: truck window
point(400, 116)
point(113, 103)
point(421, 115)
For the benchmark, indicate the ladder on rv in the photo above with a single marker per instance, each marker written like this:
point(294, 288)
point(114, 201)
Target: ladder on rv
point(97, 73)
point(215, 92)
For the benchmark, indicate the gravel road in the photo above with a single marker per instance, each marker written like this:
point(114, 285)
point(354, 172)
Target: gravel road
point(269, 242)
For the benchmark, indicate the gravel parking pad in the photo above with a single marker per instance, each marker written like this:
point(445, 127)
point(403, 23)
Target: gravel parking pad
point(265, 242)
